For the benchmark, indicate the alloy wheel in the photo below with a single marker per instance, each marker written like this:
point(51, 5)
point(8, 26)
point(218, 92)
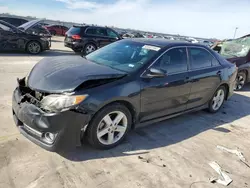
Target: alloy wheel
point(34, 47)
point(218, 99)
point(112, 127)
point(240, 82)
point(89, 48)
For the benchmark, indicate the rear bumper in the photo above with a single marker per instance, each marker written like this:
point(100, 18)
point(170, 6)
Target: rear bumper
point(34, 123)
point(73, 45)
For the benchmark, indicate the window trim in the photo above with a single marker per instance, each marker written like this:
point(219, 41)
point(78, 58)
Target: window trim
point(188, 65)
point(190, 69)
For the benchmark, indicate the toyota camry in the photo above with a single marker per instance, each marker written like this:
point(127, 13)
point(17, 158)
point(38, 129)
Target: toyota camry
point(105, 94)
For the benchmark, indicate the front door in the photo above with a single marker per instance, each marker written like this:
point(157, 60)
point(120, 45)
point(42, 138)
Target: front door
point(169, 94)
point(204, 75)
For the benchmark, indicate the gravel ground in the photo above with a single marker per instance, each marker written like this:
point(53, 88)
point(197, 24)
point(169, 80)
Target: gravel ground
point(174, 153)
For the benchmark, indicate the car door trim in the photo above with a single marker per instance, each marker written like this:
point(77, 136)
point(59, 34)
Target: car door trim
point(190, 69)
point(162, 55)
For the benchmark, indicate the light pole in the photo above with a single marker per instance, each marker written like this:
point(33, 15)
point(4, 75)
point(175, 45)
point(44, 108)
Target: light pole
point(235, 32)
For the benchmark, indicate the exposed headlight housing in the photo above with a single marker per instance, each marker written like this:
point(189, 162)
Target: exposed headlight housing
point(57, 103)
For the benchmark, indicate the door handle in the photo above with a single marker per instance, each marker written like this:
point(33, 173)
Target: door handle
point(219, 73)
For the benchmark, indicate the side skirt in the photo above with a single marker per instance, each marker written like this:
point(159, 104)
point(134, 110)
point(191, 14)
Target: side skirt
point(152, 121)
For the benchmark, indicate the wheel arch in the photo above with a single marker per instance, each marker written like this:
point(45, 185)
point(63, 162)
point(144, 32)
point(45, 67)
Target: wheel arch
point(91, 42)
point(245, 70)
point(128, 105)
point(227, 89)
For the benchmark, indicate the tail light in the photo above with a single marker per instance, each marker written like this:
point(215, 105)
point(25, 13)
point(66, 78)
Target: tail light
point(76, 37)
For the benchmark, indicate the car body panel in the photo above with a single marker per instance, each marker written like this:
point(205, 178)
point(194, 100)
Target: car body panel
point(172, 94)
point(204, 83)
point(66, 73)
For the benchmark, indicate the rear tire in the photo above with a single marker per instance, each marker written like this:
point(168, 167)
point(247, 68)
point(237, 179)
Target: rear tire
point(217, 100)
point(88, 48)
point(106, 130)
point(240, 81)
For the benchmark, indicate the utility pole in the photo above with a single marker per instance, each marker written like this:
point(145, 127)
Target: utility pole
point(235, 32)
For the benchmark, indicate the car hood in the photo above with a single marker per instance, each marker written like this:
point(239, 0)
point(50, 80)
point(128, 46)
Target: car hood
point(27, 25)
point(66, 73)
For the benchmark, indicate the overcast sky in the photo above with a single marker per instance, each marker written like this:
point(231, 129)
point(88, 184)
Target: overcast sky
point(201, 18)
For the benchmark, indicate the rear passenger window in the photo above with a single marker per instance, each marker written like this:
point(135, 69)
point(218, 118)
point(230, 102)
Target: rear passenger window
point(91, 31)
point(201, 58)
point(97, 31)
point(173, 61)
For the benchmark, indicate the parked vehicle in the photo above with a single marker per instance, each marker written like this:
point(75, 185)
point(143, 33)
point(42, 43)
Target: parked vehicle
point(87, 39)
point(237, 52)
point(57, 29)
point(127, 35)
point(116, 88)
point(192, 40)
point(138, 35)
point(206, 43)
point(22, 38)
point(13, 21)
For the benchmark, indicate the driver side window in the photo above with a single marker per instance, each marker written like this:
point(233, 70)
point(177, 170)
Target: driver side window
point(173, 61)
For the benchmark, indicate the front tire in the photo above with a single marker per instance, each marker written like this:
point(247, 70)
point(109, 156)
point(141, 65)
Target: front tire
point(34, 47)
point(240, 81)
point(109, 126)
point(217, 100)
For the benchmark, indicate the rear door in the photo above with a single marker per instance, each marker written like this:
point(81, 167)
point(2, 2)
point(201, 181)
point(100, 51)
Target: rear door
point(99, 35)
point(166, 95)
point(204, 76)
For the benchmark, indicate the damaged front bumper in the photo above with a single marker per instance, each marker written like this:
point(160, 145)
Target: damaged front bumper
point(51, 131)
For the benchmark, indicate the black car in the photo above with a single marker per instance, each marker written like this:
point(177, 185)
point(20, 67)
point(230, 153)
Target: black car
point(22, 38)
point(116, 88)
point(14, 21)
point(89, 38)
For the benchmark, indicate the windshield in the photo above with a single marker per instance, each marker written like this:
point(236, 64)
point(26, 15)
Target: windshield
point(124, 55)
point(236, 48)
point(74, 30)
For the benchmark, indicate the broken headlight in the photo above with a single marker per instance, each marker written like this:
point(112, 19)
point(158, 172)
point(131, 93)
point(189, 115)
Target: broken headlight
point(57, 103)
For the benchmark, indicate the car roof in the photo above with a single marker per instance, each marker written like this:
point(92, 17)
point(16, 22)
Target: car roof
point(83, 26)
point(163, 42)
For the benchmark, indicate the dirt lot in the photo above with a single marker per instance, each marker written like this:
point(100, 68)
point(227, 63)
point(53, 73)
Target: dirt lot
point(173, 153)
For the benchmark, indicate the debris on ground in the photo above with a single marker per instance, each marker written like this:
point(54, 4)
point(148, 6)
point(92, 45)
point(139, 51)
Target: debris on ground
point(224, 179)
point(236, 152)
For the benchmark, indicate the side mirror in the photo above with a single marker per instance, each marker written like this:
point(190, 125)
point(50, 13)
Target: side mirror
point(155, 73)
